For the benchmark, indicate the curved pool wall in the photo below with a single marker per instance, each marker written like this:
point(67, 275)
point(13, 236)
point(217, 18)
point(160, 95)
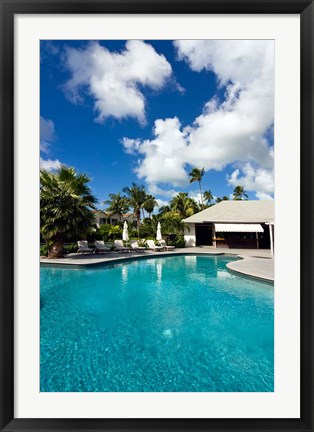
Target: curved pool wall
point(127, 257)
point(163, 324)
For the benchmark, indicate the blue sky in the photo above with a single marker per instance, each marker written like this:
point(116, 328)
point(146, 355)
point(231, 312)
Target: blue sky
point(149, 111)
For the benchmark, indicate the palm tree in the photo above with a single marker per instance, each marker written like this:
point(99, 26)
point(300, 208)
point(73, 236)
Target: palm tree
point(172, 225)
point(66, 204)
point(208, 196)
point(117, 204)
point(164, 210)
point(239, 193)
point(196, 175)
point(183, 206)
point(149, 225)
point(224, 198)
point(136, 196)
point(149, 204)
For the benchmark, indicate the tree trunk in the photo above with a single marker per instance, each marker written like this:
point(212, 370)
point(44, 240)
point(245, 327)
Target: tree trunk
point(138, 217)
point(201, 195)
point(56, 250)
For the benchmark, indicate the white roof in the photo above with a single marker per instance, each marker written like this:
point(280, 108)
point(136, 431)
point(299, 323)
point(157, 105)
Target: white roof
point(229, 227)
point(236, 211)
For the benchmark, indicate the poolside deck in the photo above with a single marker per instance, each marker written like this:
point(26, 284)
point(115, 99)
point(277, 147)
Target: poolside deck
point(257, 263)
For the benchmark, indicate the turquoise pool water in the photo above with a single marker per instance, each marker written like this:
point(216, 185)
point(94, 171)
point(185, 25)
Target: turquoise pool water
point(169, 324)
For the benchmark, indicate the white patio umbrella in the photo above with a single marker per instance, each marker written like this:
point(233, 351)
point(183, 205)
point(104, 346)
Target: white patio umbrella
point(125, 232)
point(158, 235)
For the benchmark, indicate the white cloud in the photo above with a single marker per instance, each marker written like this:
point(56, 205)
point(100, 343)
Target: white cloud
point(231, 131)
point(263, 196)
point(162, 156)
point(50, 165)
point(196, 196)
point(50, 47)
point(47, 134)
point(155, 190)
point(238, 61)
point(259, 180)
point(131, 146)
point(114, 79)
point(162, 203)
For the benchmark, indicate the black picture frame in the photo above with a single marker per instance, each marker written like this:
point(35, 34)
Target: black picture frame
point(11, 7)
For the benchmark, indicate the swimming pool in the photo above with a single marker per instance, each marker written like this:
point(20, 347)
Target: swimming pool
point(165, 324)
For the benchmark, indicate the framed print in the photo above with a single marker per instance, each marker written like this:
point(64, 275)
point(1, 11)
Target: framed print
point(156, 214)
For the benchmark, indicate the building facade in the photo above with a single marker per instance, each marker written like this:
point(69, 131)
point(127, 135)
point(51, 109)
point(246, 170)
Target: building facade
point(102, 217)
point(233, 224)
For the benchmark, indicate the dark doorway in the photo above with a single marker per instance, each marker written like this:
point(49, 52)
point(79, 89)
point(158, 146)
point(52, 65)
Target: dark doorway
point(204, 235)
point(264, 238)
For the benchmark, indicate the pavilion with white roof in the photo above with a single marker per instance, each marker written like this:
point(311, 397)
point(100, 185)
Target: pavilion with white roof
point(233, 224)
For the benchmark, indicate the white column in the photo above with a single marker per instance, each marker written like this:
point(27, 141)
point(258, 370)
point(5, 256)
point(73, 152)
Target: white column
point(271, 239)
point(214, 235)
point(189, 235)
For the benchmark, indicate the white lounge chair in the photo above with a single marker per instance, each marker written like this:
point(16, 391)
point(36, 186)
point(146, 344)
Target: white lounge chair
point(151, 245)
point(100, 246)
point(165, 246)
point(118, 246)
point(83, 247)
point(136, 247)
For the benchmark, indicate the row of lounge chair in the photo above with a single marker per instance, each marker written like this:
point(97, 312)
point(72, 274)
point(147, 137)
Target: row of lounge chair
point(119, 247)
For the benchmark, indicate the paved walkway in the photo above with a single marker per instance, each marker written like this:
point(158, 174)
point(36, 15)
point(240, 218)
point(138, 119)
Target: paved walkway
point(256, 263)
point(260, 268)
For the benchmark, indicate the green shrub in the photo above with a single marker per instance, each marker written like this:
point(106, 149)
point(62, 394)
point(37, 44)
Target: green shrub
point(103, 232)
point(108, 232)
point(133, 233)
point(44, 250)
point(146, 230)
point(92, 235)
point(180, 242)
point(70, 248)
point(115, 232)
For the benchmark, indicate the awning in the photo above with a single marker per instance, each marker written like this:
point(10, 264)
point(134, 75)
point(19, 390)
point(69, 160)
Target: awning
point(228, 227)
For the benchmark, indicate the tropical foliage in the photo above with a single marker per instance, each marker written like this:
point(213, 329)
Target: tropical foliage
point(117, 204)
point(109, 232)
point(136, 197)
point(66, 204)
point(208, 197)
point(149, 226)
point(171, 227)
point(163, 210)
point(149, 204)
point(224, 198)
point(239, 193)
point(182, 206)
